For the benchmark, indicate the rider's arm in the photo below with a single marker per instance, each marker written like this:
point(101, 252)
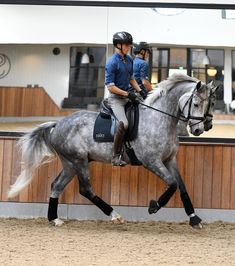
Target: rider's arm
point(147, 84)
point(133, 82)
point(114, 89)
point(144, 75)
point(135, 85)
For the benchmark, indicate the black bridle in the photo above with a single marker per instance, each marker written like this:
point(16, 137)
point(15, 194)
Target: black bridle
point(188, 117)
point(199, 118)
point(208, 108)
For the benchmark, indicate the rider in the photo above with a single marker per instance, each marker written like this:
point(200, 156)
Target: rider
point(142, 51)
point(118, 78)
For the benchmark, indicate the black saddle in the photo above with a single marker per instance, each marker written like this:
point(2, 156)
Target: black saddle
point(106, 122)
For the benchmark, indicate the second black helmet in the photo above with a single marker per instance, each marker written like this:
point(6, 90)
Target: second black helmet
point(137, 47)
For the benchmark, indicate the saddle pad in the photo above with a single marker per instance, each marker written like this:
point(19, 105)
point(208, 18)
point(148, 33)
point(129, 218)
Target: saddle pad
point(105, 125)
point(102, 129)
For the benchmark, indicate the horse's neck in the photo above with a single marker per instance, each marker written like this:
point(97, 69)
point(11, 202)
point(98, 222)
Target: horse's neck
point(169, 104)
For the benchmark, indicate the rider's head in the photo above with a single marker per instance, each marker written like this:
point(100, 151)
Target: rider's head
point(142, 49)
point(122, 41)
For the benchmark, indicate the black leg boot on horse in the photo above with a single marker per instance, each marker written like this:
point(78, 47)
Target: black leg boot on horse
point(117, 146)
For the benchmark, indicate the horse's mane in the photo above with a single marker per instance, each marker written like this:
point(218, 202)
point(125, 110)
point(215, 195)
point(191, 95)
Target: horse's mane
point(166, 85)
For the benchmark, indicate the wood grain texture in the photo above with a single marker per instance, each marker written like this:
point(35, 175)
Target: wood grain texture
point(208, 171)
point(21, 101)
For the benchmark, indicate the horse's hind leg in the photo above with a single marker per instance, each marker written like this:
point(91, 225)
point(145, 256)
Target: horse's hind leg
point(85, 190)
point(57, 187)
point(194, 220)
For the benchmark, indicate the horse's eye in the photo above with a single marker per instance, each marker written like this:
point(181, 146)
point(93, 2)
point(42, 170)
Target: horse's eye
point(196, 105)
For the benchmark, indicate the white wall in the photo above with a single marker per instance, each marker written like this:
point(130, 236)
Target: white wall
point(60, 24)
point(36, 64)
point(52, 24)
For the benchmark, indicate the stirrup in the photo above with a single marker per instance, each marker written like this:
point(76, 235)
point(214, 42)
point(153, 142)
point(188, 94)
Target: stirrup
point(117, 161)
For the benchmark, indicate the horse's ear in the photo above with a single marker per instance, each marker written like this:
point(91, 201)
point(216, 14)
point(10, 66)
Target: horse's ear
point(211, 84)
point(214, 89)
point(199, 85)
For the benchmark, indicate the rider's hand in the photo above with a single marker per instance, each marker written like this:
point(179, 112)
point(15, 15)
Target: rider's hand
point(143, 94)
point(132, 96)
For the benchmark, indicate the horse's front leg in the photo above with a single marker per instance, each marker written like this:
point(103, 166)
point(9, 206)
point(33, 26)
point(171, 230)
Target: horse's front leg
point(159, 169)
point(194, 220)
point(85, 190)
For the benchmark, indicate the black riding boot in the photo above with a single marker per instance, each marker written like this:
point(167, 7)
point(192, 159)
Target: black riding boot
point(117, 147)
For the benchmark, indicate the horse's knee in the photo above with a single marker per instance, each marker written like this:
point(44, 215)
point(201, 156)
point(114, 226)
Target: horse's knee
point(171, 183)
point(86, 192)
point(56, 189)
point(172, 186)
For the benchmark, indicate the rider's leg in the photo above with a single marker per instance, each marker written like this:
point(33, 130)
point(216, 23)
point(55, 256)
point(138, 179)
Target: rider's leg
point(118, 106)
point(117, 146)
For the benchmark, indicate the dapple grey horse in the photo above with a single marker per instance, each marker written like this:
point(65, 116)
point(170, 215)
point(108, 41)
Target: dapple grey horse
point(156, 145)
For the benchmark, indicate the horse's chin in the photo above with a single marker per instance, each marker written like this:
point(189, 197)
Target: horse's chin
point(207, 128)
point(197, 132)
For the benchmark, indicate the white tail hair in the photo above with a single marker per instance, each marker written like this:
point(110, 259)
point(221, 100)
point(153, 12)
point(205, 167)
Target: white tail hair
point(34, 149)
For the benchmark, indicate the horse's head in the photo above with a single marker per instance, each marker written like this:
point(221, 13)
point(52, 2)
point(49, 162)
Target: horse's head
point(194, 106)
point(209, 113)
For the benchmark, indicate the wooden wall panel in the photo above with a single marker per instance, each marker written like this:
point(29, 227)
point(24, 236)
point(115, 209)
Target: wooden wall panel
point(189, 169)
point(226, 178)
point(198, 176)
point(133, 186)
point(217, 177)
point(124, 186)
point(232, 201)
point(1, 167)
point(106, 185)
point(207, 177)
point(208, 172)
point(21, 101)
point(7, 168)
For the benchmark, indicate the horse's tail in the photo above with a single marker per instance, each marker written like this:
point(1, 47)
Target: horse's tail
point(35, 146)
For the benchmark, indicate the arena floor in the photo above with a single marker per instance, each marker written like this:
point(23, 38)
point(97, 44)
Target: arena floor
point(36, 242)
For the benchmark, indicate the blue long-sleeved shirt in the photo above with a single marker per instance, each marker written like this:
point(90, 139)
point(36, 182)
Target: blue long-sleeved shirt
point(119, 71)
point(141, 70)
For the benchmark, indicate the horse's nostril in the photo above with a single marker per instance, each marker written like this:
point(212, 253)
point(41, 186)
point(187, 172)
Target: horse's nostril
point(197, 131)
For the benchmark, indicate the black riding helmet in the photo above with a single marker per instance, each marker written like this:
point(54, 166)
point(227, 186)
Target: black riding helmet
point(122, 37)
point(137, 47)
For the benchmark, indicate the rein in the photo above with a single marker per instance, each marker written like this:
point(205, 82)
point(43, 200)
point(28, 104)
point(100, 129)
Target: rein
point(184, 119)
point(160, 111)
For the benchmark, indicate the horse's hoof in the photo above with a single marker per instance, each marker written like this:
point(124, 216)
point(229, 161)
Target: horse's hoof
point(118, 220)
point(153, 207)
point(198, 226)
point(58, 222)
point(195, 222)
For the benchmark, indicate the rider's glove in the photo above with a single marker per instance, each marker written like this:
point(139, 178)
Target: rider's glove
point(132, 96)
point(143, 94)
